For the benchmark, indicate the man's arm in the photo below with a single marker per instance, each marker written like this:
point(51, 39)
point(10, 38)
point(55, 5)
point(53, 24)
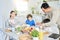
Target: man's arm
point(54, 18)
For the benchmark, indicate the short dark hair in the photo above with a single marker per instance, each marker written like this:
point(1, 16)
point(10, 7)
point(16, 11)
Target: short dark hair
point(29, 15)
point(45, 5)
point(46, 20)
point(12, 12)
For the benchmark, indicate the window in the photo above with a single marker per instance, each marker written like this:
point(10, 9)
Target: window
point(20, 5)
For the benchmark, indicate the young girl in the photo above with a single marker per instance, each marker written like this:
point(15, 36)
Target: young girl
point(29, 20)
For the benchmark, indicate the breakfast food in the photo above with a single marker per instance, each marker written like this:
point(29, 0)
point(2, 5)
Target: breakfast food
point(25, 37)
point(34, 33)
point(45, 33)
point(27, 29)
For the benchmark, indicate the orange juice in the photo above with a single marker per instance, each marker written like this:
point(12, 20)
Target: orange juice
point(41, 35)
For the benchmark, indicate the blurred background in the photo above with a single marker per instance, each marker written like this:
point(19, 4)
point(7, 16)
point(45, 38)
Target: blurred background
point(23, 7)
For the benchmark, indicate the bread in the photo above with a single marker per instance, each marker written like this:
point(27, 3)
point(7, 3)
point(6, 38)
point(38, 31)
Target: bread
point(25, 37)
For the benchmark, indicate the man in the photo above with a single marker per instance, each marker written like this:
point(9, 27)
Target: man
point(52, 14)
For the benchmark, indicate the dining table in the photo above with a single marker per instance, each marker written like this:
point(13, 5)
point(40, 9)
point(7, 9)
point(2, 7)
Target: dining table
point(52, 29)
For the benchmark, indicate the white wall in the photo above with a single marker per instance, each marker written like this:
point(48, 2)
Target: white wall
point(5, 7)
point(35, 3)
point(54, 4)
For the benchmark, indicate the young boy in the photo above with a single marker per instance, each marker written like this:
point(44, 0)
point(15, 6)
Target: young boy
point(29, 20)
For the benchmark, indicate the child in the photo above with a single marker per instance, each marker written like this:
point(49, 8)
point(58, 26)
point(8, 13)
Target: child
point(29, 20)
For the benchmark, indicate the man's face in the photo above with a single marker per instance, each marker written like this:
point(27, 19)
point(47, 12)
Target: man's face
point(47, 10)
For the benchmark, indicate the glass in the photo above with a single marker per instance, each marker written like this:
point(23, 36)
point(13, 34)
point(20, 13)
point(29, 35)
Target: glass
point(41, 35)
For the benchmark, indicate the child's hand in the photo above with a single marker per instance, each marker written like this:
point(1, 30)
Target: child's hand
point(38, 23)
point(43, 24)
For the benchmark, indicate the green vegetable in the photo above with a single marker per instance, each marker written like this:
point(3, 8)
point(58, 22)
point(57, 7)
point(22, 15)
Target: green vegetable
point(18, 29)
point(35, 33)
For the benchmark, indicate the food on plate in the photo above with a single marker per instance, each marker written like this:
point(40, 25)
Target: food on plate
point(28, 29)
point(18, 29)
point(25, 37)
point(46, 33)
point(34, 33)
point(7, 30)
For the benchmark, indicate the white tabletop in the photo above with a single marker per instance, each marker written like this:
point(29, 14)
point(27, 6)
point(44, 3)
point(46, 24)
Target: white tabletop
point(52, 29)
